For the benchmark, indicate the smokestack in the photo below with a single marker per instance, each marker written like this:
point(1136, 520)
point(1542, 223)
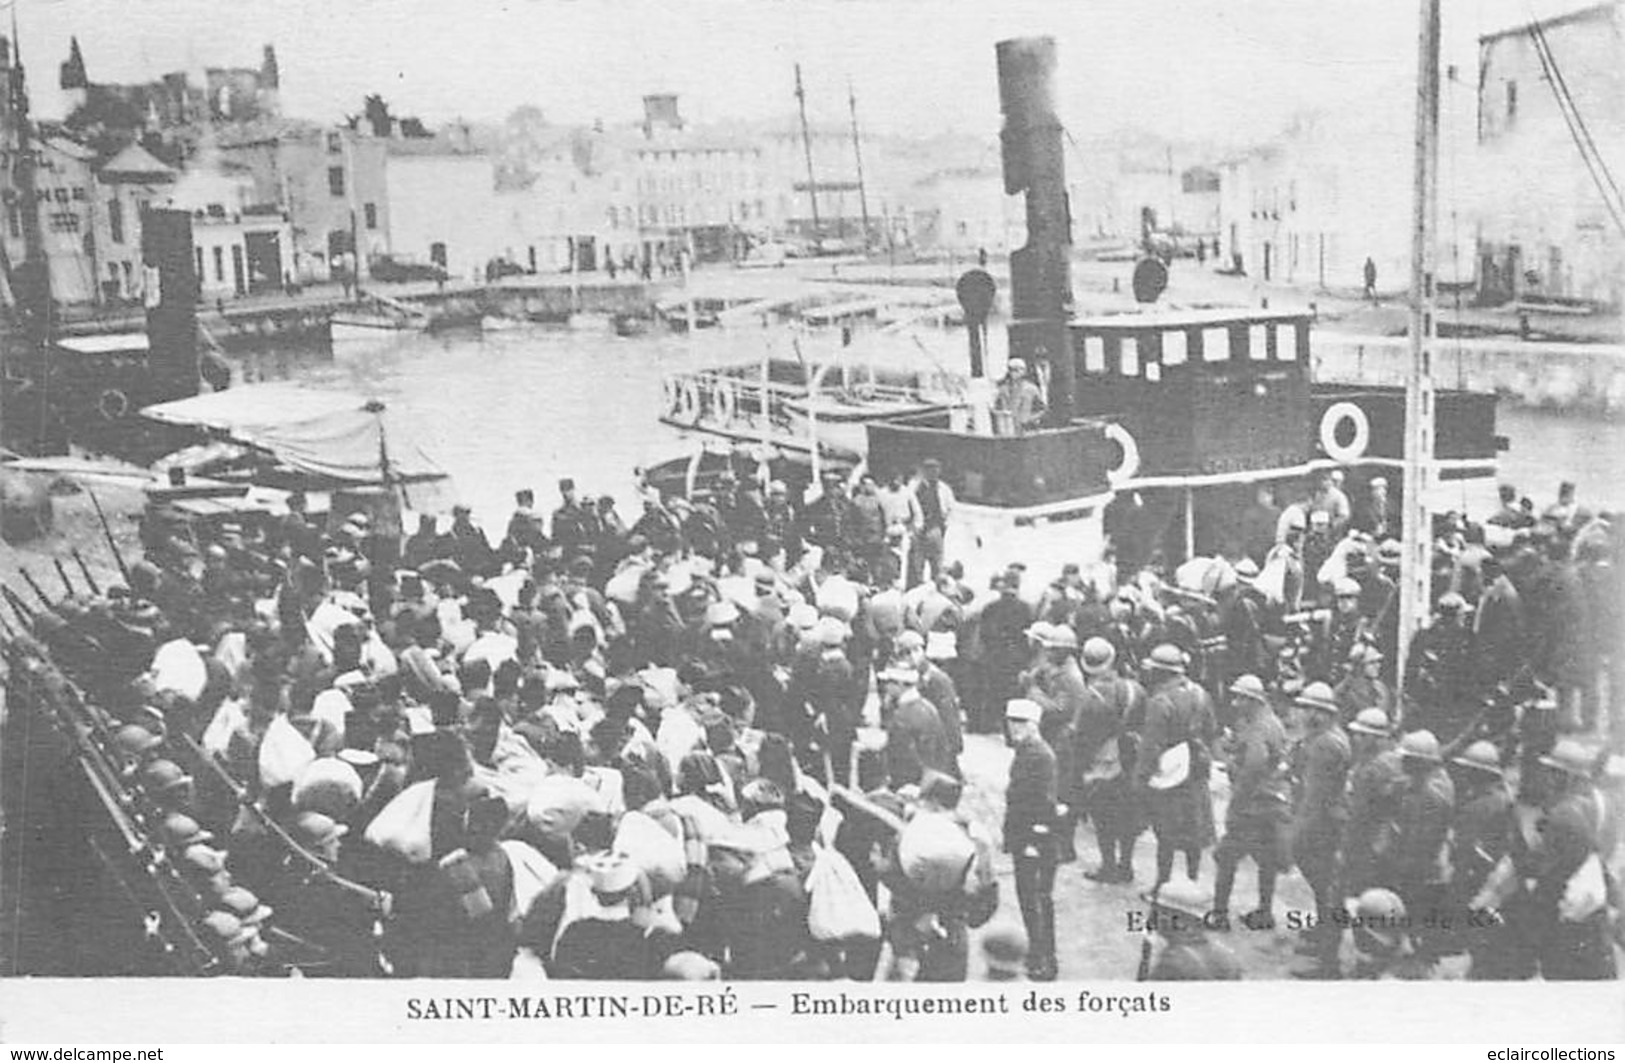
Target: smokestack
point(1035, 164)
point(172, 293)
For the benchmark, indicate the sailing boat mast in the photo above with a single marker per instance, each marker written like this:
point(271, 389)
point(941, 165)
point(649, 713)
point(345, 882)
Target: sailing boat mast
point(857, 152)
point(806, 147)
point(1417, 528)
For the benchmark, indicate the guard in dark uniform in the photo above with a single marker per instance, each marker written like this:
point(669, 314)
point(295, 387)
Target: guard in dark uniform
point(1569, 898)
point(1426, 807)
point(1260, 801)
point(1376, 781)
point(1439, 669)
point(1482, 835)
point(1177, 713)
point(1029, 833)
point(1104, 734)
point(1319, 812)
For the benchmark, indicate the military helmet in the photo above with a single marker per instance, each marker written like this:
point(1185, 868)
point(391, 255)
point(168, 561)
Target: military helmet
point(1480, 756)
point(1379, 914)
point(1319, 697)
point(1371, 721)
point(1571, 757)
point(1167, 658)
point(1249, 686)
point(1098, 656)
point(1421, 745)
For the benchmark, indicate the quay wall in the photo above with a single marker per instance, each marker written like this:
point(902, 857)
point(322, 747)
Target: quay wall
point(261, 323)
point(1586, 376)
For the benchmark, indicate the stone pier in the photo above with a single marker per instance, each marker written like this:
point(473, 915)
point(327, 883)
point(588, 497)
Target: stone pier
point(1589, 376)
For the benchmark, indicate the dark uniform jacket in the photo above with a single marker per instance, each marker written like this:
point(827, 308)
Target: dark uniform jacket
point(1029, 813)
point(1426, 808)
point(1498, 628)
point(1103, 717)
point(1176, 711)
point(1481, 835)
point(1060, 689)
point(1259, 753)
point(1322, 768)
point(1376, 785)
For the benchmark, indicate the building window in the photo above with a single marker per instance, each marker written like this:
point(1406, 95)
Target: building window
point(335, 180)
point(115, 220)
point(60, 194)
point(64, 221)
point(220, 264)
point(370, 210)
point(14, 221)
point(1512, 101)
point(335, 143)
point(79, 195)
point(197, 253)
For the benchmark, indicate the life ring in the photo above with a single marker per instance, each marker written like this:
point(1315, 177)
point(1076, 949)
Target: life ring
point(1129, 467)
point(112, 404)
point(723, 402)
point(669, 395)
point(688, 401)
point(1332, 420)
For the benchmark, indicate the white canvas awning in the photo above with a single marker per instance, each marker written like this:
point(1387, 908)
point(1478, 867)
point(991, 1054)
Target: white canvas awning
point(337, 435)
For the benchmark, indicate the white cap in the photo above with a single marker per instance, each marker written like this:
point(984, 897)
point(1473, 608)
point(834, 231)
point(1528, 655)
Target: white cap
point(1023, 709)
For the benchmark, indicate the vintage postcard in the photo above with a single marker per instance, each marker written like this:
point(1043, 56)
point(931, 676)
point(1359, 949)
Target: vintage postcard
point(931, 518)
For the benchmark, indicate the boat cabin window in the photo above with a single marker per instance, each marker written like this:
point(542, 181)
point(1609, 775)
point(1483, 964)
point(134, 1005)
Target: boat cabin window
point(1258, 342)
point(1174, 350)
point(1284, 342)
point(1094, 354)
point(1129, 356)
point(1215, 345)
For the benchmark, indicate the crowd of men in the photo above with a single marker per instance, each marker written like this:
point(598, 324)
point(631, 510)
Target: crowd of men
point(725, 741)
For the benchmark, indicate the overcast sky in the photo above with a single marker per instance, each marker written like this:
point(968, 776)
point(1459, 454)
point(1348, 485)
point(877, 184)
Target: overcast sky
point(1229, 70)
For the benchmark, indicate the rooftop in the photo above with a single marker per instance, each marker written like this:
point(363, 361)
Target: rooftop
point(1598, 12)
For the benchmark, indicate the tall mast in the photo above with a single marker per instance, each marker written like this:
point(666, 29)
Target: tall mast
point(1416, 569)
point(857, 152)
point(806, 147)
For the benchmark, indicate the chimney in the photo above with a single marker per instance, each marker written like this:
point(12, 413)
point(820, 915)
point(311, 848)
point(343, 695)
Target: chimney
point(660, 112)
point(270, 73)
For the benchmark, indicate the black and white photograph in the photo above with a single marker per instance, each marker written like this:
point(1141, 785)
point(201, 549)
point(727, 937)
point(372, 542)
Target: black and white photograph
point(832, 493)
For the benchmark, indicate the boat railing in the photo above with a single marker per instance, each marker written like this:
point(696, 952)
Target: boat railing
point(729, 396)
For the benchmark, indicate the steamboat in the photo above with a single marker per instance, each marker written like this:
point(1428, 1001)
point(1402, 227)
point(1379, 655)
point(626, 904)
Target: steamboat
point(1162, 423)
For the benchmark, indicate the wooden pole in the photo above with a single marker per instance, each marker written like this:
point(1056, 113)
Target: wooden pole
point(857, 153)
point(1417, 561)
point(806, 147)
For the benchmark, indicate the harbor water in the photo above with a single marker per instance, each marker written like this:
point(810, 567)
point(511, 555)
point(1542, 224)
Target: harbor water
point(526, 406)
